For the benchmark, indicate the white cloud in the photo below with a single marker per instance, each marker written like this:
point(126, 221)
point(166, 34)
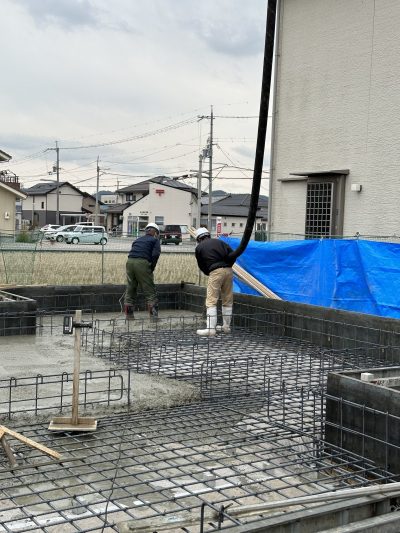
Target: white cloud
point(91, 71)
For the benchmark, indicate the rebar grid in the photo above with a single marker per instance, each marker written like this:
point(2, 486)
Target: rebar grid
point(165, 462)
point(53, 392)
point(257, 436)
point(243, 362)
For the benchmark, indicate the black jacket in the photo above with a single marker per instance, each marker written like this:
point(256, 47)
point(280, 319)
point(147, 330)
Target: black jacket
point(146, 247)
point(212, 254)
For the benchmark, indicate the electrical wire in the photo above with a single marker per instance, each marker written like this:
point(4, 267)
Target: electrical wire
point(158, 131)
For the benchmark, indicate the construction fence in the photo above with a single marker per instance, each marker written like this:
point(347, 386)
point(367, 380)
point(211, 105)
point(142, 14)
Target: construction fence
point(39, 265)
point(37, 261)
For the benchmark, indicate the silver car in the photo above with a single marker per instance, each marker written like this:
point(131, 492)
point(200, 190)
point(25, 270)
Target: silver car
point(60, 233)
point(87, 235)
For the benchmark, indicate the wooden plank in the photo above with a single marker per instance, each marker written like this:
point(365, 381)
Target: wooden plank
point(242, 274)
point(30, 442)
point(69, 424)
point(8, 451)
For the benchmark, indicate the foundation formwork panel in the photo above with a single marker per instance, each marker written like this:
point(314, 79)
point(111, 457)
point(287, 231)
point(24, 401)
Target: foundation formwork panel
point(365, 417)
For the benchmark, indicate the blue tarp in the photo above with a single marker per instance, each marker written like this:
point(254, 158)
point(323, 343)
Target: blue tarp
point(354, 275)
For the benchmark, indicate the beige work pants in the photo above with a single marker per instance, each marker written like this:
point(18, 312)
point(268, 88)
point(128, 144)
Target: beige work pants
point(220, 283)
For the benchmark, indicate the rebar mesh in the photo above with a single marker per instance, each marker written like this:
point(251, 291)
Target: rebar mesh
point(256, 436)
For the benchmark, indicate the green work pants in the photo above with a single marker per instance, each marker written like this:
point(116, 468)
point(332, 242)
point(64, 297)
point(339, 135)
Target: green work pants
point(139, 274)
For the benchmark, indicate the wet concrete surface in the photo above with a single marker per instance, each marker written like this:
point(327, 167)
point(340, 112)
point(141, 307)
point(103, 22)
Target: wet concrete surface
point(35, 371)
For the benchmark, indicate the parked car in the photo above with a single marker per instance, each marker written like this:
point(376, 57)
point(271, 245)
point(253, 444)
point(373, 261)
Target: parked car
point(48, 227)
point(171, 234)
point(87, 235)
point(60, 233)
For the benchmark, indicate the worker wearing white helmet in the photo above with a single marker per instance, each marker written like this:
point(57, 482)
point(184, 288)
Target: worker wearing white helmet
point(213, 259)
point(142, 261)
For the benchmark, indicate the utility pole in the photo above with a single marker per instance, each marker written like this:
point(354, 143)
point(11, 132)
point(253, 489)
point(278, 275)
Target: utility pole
point(96, 211)
point(208, 152)
point(57, 170)
point(199, 189)
point(210, 156)
point(58, 185)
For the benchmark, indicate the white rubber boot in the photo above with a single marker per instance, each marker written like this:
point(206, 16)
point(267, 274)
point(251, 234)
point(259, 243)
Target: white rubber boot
point(211, 323)
point(226, 320)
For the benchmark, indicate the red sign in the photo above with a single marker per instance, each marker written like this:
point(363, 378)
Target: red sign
point(219, 225)
point(160, 192)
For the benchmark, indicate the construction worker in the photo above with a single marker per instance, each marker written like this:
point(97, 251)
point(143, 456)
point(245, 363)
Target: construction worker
point(142, 261)
point(213, 259)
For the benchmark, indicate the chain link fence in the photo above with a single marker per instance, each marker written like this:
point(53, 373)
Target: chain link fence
point(29, 259)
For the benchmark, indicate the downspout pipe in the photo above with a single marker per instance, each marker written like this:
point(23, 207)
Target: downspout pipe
point(262, 128)
point(273, 119)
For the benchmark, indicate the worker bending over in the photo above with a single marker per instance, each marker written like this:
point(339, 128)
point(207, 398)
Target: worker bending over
point(142, 261)
point(214, 260)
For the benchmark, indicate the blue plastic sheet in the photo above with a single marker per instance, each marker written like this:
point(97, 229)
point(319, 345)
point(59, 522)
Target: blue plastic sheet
point(354, 275)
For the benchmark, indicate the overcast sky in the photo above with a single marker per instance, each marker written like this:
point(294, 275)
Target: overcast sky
point(126, 81)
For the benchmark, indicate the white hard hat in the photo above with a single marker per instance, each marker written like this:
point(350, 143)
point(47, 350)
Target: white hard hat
point(152, 225)
point(201, 232)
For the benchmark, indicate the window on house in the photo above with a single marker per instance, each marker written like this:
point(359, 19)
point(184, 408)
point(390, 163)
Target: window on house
point(42, 205)
point(159, 221)
point(319, 209)
point(233, 224)
point(324, 207)
point(241, 224)
point(225, 224)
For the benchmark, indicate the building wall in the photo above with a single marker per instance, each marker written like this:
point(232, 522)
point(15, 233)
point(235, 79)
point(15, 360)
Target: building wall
point(234, 225)
point(174, 205)
point(7, 211)
point(45, 206)
point(337, 107)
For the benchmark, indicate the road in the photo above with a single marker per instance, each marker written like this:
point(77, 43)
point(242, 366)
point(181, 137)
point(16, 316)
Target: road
point(115, 244)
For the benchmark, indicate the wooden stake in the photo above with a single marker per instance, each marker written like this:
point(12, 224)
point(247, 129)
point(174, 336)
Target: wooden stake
point(74, 422)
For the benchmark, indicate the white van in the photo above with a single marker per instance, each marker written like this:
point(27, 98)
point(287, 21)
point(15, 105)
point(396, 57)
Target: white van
point(87, 235)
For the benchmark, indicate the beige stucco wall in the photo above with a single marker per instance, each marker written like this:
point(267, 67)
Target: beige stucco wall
point(7, 205)
point(338, 104)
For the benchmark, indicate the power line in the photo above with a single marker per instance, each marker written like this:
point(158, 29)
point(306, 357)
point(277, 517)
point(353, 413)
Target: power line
point(158, 131)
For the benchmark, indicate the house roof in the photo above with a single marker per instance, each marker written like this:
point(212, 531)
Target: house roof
point(20, 194)
point(216, 196)
point(4, 157)
point(48, 187)
point(143, 186)
point(116, 208)
point(237, 205)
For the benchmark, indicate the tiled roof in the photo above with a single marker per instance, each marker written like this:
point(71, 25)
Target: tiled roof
point(161, 180)
point(237, 205)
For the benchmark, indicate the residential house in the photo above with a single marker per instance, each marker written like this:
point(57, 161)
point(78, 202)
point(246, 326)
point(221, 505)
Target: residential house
point(161, 200)
point(10, 195)
point(40, 206)
point(232, 211)
point(108, 198)
point(336, 133)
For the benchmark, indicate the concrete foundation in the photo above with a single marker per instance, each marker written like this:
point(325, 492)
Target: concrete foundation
point(364, 417)
point(254, 434)
point(17, 314)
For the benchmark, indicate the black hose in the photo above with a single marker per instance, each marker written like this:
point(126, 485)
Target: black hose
point(262, 128)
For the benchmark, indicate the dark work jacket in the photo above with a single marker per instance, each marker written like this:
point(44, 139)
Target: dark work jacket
point(146, 247)
point(212, 254)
